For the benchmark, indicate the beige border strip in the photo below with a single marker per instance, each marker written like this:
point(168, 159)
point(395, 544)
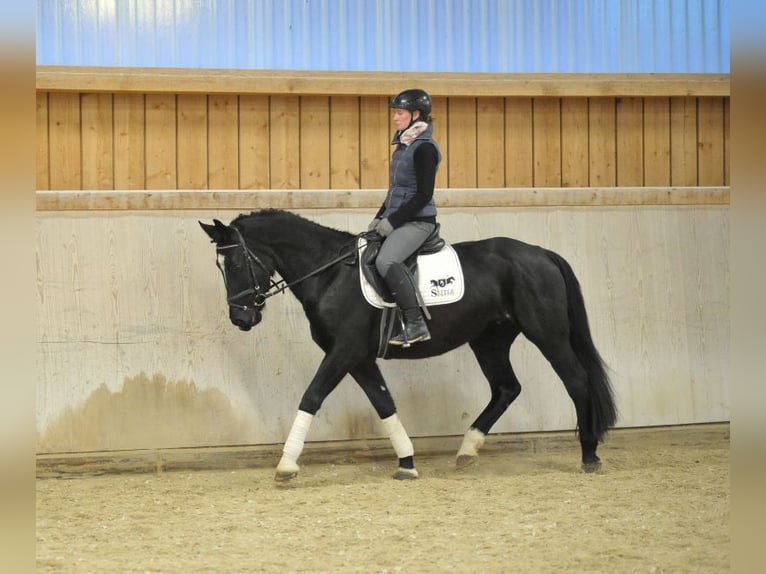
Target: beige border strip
point(355, 451)
point(209, 81)
point(372, 198)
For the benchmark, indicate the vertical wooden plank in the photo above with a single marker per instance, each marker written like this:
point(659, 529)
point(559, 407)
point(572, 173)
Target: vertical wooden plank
point(710, 138)
point(490, 132)
point(285, 142)
point(374, 142)
point(315, 142)
point(574, 142)
point(129, 141)
point(656, 141)
point(727, 141)
point(223, 141)
point(42, 177)
point(683, 141)
point(601, 146)
point(254, 142)
point(547, 141)
point(519, 143)
point(344, 142)
point(65, 140)
point(161, 151)
point(97, 141)
point(629, 141)
point(462, 142)
point(440, 114)
point(192, 141)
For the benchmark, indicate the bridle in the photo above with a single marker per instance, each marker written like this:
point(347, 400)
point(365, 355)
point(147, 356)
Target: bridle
point(259, 296)
point(275, 287)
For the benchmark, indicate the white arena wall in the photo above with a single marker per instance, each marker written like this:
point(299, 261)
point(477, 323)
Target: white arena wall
point(135, 349)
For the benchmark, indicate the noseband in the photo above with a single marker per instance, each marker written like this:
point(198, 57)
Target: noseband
point(259, 295)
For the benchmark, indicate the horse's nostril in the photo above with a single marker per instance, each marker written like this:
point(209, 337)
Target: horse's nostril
point(245, 320)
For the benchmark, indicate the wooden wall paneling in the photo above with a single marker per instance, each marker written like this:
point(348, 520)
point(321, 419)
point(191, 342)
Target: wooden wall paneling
point(333, 83)
point(193, 141)
point(315, 142)
point(710, 141)
point(683, 141)
point(440, 114)
point(77, 200)
point(161, 141)
point(254, 154)
point(285, 145)
point(727, 141)
point(490, 133)
point(42, 170)
point(547, 141)
point(375, 133)
point(629, 141)
point(223, 141)
point(97, 141)
point(344, 142)
point(656, 141)
point(518, 138)
point(64, 140)
point(601, 145)
point(129, 141)
point(150, 142)
point(574, 142)
point(462, 142)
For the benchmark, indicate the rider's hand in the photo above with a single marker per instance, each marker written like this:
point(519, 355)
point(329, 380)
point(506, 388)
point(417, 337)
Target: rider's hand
point(373, 224)
point(384, 227)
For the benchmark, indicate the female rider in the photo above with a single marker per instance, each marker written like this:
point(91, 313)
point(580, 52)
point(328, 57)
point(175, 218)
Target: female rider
point(408, 215)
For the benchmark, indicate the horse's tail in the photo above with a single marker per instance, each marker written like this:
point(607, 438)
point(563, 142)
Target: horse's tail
point(604, 409)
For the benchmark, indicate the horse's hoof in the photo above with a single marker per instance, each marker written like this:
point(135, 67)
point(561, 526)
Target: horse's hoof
point(405, 474)
point(285, 476)
point(589, 467)
point(465, 460)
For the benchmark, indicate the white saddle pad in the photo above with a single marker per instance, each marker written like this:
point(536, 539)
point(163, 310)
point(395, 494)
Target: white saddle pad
point(440, 278)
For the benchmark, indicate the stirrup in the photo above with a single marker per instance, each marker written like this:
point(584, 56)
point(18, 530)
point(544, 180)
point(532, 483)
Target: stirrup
point(401, 338)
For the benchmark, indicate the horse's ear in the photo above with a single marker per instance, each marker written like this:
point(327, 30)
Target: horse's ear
point(218, 232)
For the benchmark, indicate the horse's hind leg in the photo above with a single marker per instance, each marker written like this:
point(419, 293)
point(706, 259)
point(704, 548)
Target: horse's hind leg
point(492, 350)
point(567, 366)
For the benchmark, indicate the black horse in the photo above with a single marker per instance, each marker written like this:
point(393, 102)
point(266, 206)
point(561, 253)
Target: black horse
point(511, 288)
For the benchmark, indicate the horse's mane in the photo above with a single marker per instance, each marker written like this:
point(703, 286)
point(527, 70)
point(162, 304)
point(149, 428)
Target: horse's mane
point(291, 219)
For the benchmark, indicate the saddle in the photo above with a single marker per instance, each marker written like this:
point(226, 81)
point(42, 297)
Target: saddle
point(433, 244)
point(437, 272)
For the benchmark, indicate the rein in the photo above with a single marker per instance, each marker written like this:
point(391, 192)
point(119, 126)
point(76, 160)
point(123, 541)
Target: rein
point(276, 287)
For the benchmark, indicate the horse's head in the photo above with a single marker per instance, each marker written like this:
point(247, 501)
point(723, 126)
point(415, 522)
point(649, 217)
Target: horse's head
point(246, 278)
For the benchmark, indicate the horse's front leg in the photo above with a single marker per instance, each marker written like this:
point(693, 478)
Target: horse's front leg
point(330, 372)
point(369, 377)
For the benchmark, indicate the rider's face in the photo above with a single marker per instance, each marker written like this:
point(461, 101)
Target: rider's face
point(403, 118)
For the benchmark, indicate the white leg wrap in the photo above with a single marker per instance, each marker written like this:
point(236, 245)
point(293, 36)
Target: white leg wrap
point(294, 443)
point(399, 439)
point(473, 440)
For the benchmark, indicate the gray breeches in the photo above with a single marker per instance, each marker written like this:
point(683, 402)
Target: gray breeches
point(401, 243)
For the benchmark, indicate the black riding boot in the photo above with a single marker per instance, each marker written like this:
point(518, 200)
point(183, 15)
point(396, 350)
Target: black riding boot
point(402, 287)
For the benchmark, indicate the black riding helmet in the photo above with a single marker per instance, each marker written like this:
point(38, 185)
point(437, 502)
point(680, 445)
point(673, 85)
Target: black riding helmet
point(412, 100)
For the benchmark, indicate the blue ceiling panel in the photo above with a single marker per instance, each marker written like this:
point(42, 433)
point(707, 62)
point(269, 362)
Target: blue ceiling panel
point(505, 36)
